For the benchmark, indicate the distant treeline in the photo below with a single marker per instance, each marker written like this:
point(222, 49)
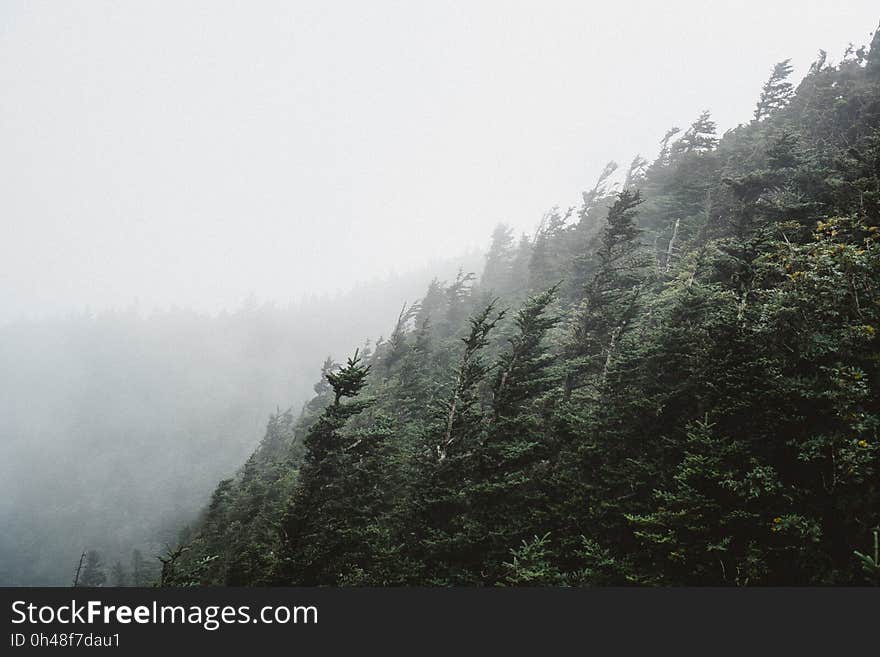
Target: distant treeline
point(116, 426)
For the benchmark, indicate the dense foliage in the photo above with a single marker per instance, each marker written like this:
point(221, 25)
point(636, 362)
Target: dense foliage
point(674, 384)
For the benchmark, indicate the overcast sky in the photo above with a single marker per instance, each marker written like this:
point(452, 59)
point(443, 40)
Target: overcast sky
point(192, 153)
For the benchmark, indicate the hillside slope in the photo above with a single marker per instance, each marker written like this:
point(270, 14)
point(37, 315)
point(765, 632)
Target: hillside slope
point(673, 384)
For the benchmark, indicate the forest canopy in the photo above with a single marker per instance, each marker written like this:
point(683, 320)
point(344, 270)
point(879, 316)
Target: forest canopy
point(673, 384)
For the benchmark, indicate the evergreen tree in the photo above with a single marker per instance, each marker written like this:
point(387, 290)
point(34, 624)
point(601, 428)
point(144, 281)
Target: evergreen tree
point(417, 388)
point(699, 138)
point(118, 575)
point(437, 502)
point(140, 572)
point(610, 299)
point(93, 570)
point(600, 190)
point(777, 91)
point(498, 269)
point(663, 157)
point(506, 496)
point(521, 371)
point(548, 259)
point(320, 546)
point(520, 266)
point(397, 343)
point(456, 301)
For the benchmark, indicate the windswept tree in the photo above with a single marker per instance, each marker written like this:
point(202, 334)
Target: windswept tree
point(635, 175)
point(700, 137)
point(599, 191)
point(522, 371)
point(665, 153)
point(498, 271)
point(610, 298)
point(507, 495)
point(457, 294)
point(549, 257)
point(437, 502)
point(777, 91)
point(397, 344)
point(319, 543)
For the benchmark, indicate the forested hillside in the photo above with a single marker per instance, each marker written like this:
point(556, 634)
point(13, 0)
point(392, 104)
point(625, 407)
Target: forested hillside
point(675, 383)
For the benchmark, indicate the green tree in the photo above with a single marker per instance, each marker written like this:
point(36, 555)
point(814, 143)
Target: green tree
point(507, 496)
point(141, 574)
point(498, 269)
point(777, 91)
point(320, 545)
point(118, 575)
point(611, 297)
point(700, 137)
point(436, 542)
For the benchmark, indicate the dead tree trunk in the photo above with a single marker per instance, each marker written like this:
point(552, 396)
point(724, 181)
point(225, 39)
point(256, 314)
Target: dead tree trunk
point(671, 245)
point(79, 569)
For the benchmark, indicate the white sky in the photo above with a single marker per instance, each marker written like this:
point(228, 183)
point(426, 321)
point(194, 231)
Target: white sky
point(191, 153)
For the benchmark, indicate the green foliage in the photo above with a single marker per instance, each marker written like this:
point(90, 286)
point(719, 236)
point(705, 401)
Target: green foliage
point(686, 393)
point(348, 381)
point(777, 91)
point(532, 564)
point(870, 563)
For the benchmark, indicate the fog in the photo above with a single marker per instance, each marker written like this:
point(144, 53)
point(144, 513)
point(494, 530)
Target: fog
point(202, 200)
point(194, 153)
point(116, 426)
